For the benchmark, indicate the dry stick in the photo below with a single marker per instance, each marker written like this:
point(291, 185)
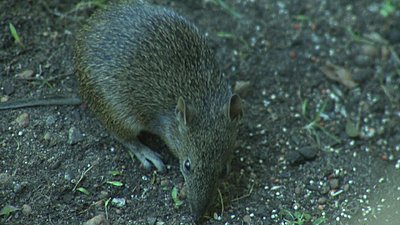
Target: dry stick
point(394, 55)
point(59, 76)
point(221, 200)
point(105, 207)
point(89, 207)
point(59, 14)
point(82, 175)
point(246, 195)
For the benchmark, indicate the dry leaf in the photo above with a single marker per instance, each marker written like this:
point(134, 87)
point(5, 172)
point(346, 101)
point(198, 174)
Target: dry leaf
point(25, 75)
point(242, 87)
point(339, 74)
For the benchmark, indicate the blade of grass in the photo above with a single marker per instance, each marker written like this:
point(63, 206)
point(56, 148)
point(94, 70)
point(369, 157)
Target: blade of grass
point(15, 35)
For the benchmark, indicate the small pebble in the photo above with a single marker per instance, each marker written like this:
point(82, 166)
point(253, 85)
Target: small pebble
point(324, 190)
point(8, 88)
point(334, 183)
point(103, 195)
point(74, 136)
point(97, 220)
point(322, 200)
point(118, 202)
point(309, 152)
point(4, 179)
point(50, 120)
point(247, 219)
point(294, 158)
point(151, 220)
point(26, 209)
point(23, 120)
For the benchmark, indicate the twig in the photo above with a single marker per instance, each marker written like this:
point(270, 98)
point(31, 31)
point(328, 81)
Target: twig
point(82, 175)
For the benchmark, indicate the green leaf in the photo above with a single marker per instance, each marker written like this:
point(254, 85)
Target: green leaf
point(153, 177)
point(387, 9)
point(351, 129)
point(7, 210)
point(301, 17)
point(175, 197)
point(15, 35)
point(83, 190)
point(231, 11)
point(319, 221)
point(307, 216)
point(107, 202)
point(223, 34)
point(304, 108)
point(114, 173)
point(115, 183)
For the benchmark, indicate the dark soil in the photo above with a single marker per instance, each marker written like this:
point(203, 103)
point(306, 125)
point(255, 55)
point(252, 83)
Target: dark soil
point(309, 145)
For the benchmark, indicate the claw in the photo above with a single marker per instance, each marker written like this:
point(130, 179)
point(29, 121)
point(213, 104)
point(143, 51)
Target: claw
point(145, 155)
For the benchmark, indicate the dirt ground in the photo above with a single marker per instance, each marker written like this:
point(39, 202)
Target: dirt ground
point(319, 143)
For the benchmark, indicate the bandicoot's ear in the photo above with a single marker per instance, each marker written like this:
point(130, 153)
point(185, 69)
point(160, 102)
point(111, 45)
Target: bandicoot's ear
point(181, 110)
point(234, 109)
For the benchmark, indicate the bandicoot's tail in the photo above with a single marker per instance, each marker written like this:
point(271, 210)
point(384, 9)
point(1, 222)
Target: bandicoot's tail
point(24, 103)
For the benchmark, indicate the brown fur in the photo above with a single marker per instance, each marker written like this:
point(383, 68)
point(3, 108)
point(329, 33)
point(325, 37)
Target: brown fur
point(143, 67)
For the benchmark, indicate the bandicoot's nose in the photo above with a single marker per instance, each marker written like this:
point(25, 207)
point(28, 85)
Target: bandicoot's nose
point(198, 218)
point(198, 212)
point(201, 188)
point(199, 209)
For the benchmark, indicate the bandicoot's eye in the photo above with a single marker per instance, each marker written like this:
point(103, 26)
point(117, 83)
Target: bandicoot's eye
point(186, 165)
